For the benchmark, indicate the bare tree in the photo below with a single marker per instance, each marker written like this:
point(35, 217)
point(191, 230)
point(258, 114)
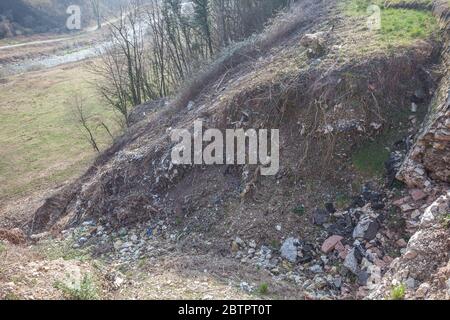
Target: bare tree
point(154, 47)
point(82, 119)
point(123, 65)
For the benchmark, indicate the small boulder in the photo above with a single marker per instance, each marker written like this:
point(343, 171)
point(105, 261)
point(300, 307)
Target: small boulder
point(316, 269)
point(351, 261)
point(363, 276)
point(315, 43)
point(331, 243)
point(422, 291)
point(289, 249)
point(417, 194)
point(366, 229)
point(401, 243)
point(320, 217)
point(343, 227)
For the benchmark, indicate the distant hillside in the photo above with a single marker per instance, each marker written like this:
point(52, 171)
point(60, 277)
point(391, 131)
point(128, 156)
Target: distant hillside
point(22, 17)
point(19, 17)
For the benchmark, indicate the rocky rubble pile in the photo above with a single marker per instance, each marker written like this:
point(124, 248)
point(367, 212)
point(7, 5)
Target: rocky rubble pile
point(351, 248)
point(424, 268)
point(357, 246)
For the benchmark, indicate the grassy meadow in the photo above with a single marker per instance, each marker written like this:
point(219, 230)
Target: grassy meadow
point(41, 144)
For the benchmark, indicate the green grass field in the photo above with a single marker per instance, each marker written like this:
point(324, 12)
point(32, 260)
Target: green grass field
point(40, 142)
point(398, 26)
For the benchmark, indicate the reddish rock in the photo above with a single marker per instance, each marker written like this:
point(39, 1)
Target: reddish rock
point(376, 252)
point(401, 243)
point(411, 254)
point(388, 259)
point(14, 236)
point(417, 194)
point(401, 201)
point(331, 243)
point(379, 263)
point(407, 207)
point(389, 234)
point(343, 251)
point(362, 293)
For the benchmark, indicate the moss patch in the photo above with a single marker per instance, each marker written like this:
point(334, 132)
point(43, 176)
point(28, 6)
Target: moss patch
point(370, 158)
point(406, 25)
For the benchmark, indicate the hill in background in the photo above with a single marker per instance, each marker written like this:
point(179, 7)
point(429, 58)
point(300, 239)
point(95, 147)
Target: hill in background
point(24, 17)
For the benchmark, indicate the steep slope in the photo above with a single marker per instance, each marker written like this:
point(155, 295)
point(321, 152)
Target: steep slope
point(424, 267)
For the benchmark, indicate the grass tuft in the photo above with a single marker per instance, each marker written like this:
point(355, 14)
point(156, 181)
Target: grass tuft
point(398, 292)
point(263, 289)
point(370, 158)
point(87, 290)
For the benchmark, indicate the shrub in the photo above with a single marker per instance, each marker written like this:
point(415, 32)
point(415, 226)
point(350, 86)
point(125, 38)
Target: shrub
point(263, 289)
point(299, 210)
point(398, 292)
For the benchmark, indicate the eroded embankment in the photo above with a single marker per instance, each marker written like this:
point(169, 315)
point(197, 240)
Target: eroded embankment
point(423, 270)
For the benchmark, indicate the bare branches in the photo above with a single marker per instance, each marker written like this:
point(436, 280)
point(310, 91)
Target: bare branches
point(82, 118)
point(153, 47)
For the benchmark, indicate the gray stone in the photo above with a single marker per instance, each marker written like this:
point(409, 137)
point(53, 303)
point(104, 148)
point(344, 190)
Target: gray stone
point(316, 269)
point(320, 217)
point(190, 105)
point(246, 287)
point(363, 276)
point(315, 43)
point(410, 283)
point(88, 223)
point(367, 229)
point(351, 262)
point(289, 249)
point(337, 282)
point(239, 242)
point(126, 245)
